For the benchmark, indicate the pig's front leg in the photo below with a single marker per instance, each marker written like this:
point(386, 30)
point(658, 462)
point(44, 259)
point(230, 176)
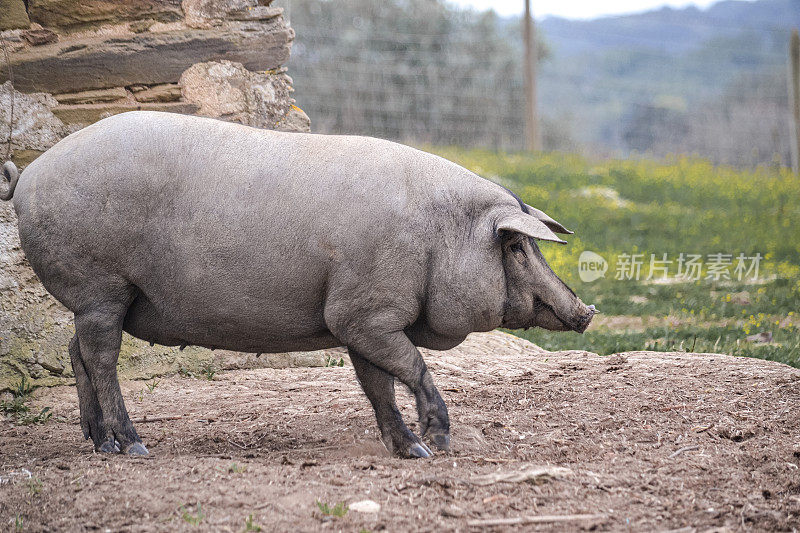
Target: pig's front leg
point(395, 355)
point(378, 385)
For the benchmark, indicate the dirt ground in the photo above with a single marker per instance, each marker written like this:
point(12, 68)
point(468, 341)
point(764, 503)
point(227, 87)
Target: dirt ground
point(644, 441)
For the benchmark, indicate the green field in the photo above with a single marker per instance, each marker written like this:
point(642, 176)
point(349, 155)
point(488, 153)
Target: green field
point(619, 209)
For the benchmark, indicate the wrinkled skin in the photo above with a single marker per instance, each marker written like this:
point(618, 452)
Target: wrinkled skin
point(185, 230)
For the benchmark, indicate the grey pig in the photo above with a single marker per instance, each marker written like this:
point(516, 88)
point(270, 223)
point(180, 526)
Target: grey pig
point(186, 230)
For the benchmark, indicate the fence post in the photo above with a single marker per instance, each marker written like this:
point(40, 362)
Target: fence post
point(794, 95)
point(532, 133)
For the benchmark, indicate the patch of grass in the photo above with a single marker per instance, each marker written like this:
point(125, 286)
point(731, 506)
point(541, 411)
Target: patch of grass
point(716, 339)
point(192, 518)
point(250, 525)
point(18, 523)
point(21, 394)
point(34, 486)
point(14, 407)
point(35, 418)
point(695, 318)
point(333, 361)
point(235, 468)
point(208, 371)
point(19, 410)
point(23, 389)
point(337, 511)
point(152, 385)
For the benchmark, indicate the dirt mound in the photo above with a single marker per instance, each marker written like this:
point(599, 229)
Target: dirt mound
point(646, 441)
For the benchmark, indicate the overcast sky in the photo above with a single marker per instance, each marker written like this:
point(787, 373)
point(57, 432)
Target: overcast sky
point(577, 8)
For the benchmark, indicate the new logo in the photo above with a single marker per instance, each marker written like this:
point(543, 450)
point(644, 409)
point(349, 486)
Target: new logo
point(591, 266)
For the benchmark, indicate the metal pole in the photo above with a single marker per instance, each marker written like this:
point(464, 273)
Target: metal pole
point(532, 134)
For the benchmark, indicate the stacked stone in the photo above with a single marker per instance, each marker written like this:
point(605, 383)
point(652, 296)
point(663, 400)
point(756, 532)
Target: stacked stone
point(82, 60)
point(77, 61)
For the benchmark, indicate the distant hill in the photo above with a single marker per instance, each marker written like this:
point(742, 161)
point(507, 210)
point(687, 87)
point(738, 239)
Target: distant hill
point(602, 72)
point(672, 30)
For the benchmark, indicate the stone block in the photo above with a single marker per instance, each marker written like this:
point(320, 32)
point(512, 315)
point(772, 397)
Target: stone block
point(73, 15)
point(159, 93)
point(227, 90)
point(35, 126)
point(256, 13)
point(39, 37)
point(208, 13)
point(90, 113)
point(13, 15)
point(92, 97)
point(146, 58)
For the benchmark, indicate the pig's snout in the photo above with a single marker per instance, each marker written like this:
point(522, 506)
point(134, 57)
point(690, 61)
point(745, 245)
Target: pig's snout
point(583, 317)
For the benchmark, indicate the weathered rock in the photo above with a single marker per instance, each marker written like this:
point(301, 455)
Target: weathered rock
point(89, 113)
point(170, 92)
point(147, 58)
point(72, 15)
point(365, 506)
point(23, 158)
point(39, 37)
point(294, 120)
point(207, 13)
point(13, 41)
point(13, 15)
point(92, 97)
point(257, 13)
point(35, 126)
point(139, 26)
point(227, 90)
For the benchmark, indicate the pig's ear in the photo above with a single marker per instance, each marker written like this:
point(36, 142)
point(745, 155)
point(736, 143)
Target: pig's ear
point(526, 225)
point(549, 222)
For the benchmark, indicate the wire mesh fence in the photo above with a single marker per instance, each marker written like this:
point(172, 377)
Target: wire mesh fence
point(423, 71)
point(430, 75)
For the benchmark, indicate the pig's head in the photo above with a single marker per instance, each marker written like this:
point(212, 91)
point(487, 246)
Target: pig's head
point(535, 296)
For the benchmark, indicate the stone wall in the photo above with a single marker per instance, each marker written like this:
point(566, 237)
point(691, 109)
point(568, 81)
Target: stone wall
point(101, 57)
point(77, 61)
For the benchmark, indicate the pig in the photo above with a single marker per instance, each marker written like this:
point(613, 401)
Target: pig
point(183, 230)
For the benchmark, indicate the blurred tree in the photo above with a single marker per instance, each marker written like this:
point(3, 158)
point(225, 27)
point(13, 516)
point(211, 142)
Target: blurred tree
point(414, 70)
point(744, 126)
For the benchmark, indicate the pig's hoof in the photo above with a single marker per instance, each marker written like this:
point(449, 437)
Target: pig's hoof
point(109, 446)
point(418, 449)
point(137, 449)
point(441, 441)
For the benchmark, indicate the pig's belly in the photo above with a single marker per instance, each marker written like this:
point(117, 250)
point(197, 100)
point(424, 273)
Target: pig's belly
point(270, 331)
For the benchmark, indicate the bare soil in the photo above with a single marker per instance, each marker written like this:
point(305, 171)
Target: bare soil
point(651, 441)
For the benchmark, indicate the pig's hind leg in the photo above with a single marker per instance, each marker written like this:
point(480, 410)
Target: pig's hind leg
point(91, 413)
point(98, 327)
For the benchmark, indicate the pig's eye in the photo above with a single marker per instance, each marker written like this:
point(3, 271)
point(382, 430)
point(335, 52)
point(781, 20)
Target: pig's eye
point(517, 248)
